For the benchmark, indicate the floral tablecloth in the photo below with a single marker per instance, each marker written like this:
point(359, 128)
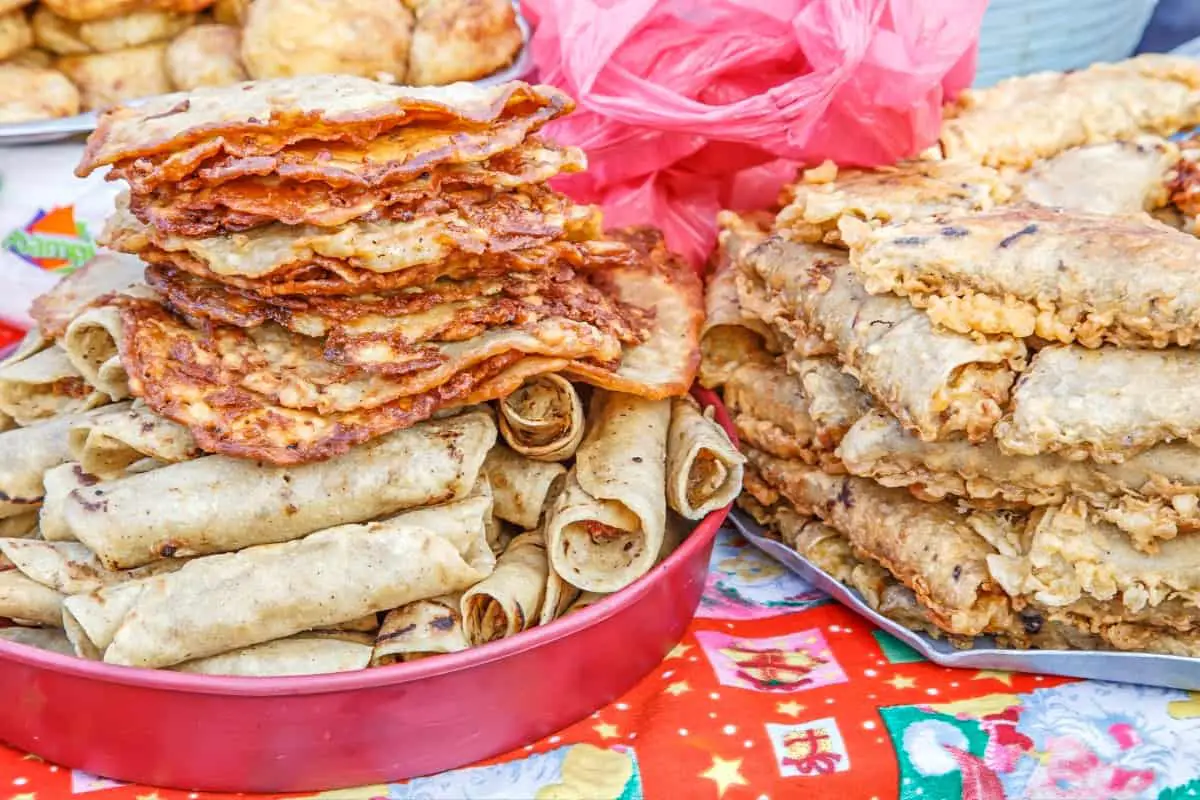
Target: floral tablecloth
point(778, 692)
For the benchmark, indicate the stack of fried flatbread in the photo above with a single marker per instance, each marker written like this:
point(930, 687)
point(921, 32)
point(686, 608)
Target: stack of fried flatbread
point(356, 358)
point(974, 393)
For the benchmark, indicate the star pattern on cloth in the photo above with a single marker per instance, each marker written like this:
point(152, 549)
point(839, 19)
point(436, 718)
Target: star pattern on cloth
point(151, 796)
point(24, 796)
point(791, 708)
point(994, 674)
point(679, 650)
point(32, 757)
point(725, 773)
point(607, 730)
point(1185, 709)
point(677, 688)
point(902, 682)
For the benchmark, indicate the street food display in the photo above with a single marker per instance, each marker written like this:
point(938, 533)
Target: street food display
point(965, 385)
point(353, 362)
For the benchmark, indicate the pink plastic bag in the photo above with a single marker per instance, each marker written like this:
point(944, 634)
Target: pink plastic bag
point(690, 106)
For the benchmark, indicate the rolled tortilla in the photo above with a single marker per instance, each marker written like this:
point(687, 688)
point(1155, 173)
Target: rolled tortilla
point(92, 343)
point(520, 485)
point(33, 342)
point(420, 629)
point(273, 591)
point(52, 639)
point(69, 567)
point(607, 526)
point(934, 381)
point(25, 600)
point(543, 419)
point(110, 440)
point(20, 526)
point(45, 385)
point(60, 481)
point(221, 504)
point(25, 454)
point(704, 469)
point(105, 274)
point(303, 654)
point(510, 599)
point(584, 600)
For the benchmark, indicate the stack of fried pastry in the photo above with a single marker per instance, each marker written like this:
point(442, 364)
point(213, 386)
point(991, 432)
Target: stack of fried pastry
point(281, 395)
point(968, 386)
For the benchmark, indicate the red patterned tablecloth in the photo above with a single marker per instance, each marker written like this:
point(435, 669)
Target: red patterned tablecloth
point(777, 692)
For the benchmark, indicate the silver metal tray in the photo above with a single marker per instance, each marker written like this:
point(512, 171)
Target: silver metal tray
point(56, 130)
point(1174, 672)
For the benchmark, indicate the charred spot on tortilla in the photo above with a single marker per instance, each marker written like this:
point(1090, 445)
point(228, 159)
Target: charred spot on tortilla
point(407, 629)
point(94, 506)
point(954, 231)
point(85, 478)
point(445, 623)
point(911, 241)
point(845, 496)
point(1008, 241)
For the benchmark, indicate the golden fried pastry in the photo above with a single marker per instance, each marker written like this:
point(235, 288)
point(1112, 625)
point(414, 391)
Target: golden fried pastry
point(105, 79)
point(32, 57)
point(81, 10)
point(308, 37)
point(231, 12)
point(29, 93)
point(462, 40)
point(15, 34)
point(133, 29)
point(12, 5)
point(206, 55)
point(57, 34)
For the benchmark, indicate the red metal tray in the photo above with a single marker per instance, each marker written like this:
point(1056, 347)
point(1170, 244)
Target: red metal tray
point(330, 731)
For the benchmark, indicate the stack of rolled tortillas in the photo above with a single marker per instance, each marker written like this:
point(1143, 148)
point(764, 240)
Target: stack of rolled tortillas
point(448, 422)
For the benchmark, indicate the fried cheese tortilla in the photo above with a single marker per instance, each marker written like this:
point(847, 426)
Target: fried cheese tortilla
point(420, 629)
point(509, 600)
point(262, 118)
point(934, 381)
point(898, 531)
point(1113, 178)
point(543, 419)
point(222, 504)
point(272, 591)
point(45, 385)
point(704, 468)
point(1020, 120)
point(730, 335)
point(234, 203)
point(910, 190)
point(1105, 404)
point(607, 526)
point(473, 222)
point(1063, 276)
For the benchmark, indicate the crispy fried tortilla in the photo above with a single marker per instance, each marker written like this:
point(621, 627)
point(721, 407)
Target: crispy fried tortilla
point(109, 441)
point(520, 486)
point(704, 469)
point(272, 591)
point(935, 382)
point(1114, 178)
point(731, 336)
point(264, 117)
point(607, 526)
point(543, 419)
point(311, 653)
point(1020, 120)
point(910, 190)
point(105, 274)
point(510, 599)
point(45, 385)
point(1105, 404)
point(473, 222)
point(1032, 271)
point(238, 203)
point(929, 547)
point(126, 523)
point(420, 629)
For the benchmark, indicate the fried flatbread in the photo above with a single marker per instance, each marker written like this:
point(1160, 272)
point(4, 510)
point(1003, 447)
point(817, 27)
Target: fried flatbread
point(473, 222)
point(1033, 271)
point(1113, 178)
point(263, 117)
point(180, 374)
point(934, 381)
point(910, 190)
point(237, 204)
point(1020, 120)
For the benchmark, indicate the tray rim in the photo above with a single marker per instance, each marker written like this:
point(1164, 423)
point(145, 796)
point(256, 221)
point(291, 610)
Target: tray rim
point(60, 129)
point(698, 538)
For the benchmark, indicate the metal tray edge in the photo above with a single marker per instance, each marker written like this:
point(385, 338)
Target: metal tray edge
point(1151, 669)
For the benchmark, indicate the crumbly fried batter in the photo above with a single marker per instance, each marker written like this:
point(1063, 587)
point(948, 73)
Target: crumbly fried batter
point(262, 118)
point(206, 55)
point(1033, 271)
point(29, 93)
point(106, 79)
point(462, 40)
point(935, 382)
point(910, 190)
point(1020, 120)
